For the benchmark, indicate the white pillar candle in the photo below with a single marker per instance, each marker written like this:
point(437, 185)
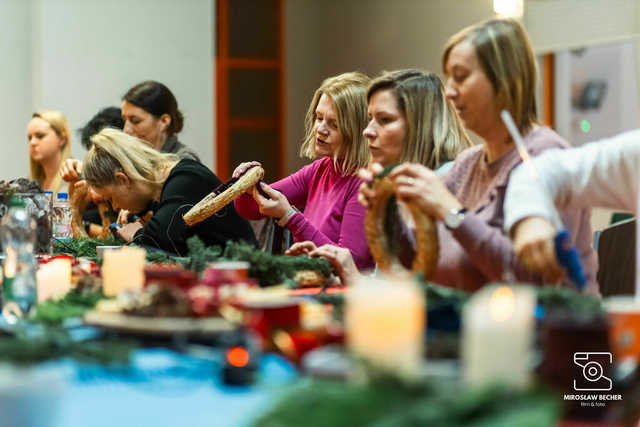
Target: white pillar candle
point(54, 279)
point(385, 321)
point(123, 270)
point(497, 335)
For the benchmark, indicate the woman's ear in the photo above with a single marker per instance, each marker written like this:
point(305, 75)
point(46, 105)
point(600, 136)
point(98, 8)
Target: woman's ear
point(165, 120)
point(123, 179)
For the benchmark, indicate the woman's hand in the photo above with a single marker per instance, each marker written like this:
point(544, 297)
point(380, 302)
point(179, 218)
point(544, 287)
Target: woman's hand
point(123, 217)
point(365, 192)
point(71, 169)
point(341, 260)
point(301, 248)
point(242, 168)
point(277, 206)
point(534, 246)
point(417, 183)
point(128, 231)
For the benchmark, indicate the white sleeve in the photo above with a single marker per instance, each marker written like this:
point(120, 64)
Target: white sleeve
point(604, 173)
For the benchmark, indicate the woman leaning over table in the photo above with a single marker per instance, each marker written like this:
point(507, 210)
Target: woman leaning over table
point(125, 171)
point(410, 120)
point(489, 67)
point(326, 189)
point(49, 140)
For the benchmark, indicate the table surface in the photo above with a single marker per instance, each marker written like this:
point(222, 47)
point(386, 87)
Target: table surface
point(162, 387)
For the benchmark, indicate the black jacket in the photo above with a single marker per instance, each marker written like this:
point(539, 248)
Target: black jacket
point(188, 183)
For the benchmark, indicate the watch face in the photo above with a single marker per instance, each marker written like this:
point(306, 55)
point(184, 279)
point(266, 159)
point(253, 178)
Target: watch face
point(453, 218)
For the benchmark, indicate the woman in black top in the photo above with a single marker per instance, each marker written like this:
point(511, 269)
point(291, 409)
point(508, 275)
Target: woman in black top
point(133, 176)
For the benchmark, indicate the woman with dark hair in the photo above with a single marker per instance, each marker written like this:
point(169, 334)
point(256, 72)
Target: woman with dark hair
point(107, 117)
point(150, 112)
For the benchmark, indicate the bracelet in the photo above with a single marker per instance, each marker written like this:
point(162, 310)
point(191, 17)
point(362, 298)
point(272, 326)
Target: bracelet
point(282, 222)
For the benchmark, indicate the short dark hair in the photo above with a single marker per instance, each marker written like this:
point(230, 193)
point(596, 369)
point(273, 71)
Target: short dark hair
point(156, 99)
point(107, 117)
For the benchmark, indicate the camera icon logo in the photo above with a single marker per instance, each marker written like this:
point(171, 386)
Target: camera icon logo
point(592, 371)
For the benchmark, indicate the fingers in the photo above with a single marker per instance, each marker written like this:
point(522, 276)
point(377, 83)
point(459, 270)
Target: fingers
point(377, 168)
point(95, 197)
point(70, 170)
point(270, 191)
point(242, 168)
point(301, 248)
point(329, 252)
point(275, 206)
point(80, 184)
point(365, 194)
point(263, 201)
point(365, 175)
point(539, 258)
point(123, 217)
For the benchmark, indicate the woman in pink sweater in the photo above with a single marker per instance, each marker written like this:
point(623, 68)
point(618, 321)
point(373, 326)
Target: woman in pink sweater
point(410, 120)
point(326, 189)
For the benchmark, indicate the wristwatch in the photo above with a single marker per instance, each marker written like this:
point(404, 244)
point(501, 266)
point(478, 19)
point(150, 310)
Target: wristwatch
point(454, 218)
point(282, 222)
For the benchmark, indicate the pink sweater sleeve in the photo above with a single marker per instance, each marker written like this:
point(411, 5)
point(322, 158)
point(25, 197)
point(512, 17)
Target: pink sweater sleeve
point(351, 231)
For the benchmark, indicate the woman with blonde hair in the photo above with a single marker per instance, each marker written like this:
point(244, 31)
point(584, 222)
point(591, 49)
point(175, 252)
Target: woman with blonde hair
point(410, 120)
point(490, 67)
point(131, 175)
point(49, 140)
point(326, 189)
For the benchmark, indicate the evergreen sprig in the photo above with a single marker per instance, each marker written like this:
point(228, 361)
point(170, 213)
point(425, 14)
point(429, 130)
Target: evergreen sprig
point(83, 246)
point(200, 255)
point(50, 343)
point(391, 404)
point(272, 269)
point(73, 304)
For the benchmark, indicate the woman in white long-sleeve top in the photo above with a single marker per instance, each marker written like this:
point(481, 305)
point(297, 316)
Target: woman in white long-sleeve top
point(605, 173)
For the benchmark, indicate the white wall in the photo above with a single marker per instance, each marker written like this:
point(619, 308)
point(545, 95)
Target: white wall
point(78, 56)
point(334, 36)
point(15, 87)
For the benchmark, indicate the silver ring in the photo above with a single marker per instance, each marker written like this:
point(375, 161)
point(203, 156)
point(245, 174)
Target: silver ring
point(411, 181)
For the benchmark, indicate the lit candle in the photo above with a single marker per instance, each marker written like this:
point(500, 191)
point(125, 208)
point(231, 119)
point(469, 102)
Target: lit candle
point(498, 335)
point(54, 279)
point(385, 321)
point(123, 270)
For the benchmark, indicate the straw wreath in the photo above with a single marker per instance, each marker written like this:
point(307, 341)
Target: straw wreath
point(426, 257)
point(78, 197)
point(216, 200)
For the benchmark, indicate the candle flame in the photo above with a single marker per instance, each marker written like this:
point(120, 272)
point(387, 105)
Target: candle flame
point(502, 304)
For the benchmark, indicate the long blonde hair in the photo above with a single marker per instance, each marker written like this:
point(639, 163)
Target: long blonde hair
point(115, 151)
point(506, 57)
point(60, 126)
point(435, 134)
point(347, 91)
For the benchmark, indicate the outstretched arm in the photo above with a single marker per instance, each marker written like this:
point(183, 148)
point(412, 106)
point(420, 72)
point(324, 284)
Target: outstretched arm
point(601, 174)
